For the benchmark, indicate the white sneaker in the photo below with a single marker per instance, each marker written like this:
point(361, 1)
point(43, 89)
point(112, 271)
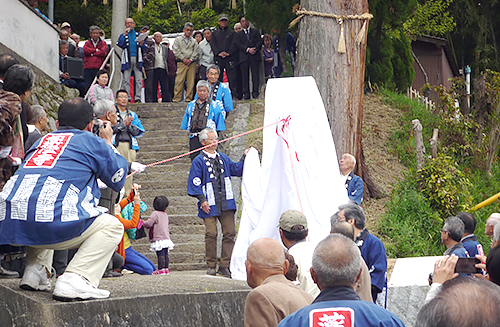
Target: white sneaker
point(35, 279)
point(71, 286)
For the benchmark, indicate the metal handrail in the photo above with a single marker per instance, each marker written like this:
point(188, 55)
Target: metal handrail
point(100, 68)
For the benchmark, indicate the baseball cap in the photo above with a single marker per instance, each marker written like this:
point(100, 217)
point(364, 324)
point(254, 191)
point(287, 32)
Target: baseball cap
point(65, 24)
point(222, 17)
point(293, 218)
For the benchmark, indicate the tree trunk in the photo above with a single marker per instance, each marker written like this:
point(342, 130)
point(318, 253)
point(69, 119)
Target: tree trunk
point(340, 76)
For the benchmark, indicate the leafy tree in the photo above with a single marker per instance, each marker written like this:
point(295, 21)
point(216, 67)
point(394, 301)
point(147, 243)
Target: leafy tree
point(389, 60)
point(271, 15)
point(431, 18)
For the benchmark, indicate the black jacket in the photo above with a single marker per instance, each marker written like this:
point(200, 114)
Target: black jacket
point(253, 41)
point(224, 40)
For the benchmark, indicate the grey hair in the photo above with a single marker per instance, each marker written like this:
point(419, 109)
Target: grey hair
point(203, 136)
point(336, 261)
point(36, 111)
point(236, 25)
point(496, 232)
point(493, 219)
point(94, 27)
point(158, 33)
point(102, 107)
point(63, 42)
point(334, 218)
point(354, 211)
point(188, 24)
point(213, 66)
point(455, 228)
point(203, 83)
point(343, 228)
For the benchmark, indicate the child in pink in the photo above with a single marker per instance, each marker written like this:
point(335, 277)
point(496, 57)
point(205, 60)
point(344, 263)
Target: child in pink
point(159, 234)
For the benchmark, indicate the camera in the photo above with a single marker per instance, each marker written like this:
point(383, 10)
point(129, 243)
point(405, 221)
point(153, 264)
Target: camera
point(97, 126)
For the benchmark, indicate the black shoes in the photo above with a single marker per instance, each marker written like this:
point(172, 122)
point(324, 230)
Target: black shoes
point(224, 272)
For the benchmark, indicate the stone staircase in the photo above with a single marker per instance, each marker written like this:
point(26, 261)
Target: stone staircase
point(164, 139)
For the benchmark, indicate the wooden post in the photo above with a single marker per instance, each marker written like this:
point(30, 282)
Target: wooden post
point(434, 141)
point(419, 143)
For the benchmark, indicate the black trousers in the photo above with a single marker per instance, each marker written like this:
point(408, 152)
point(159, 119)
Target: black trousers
point(160, 75)
point(194, 143)
point(245, 67)
point(230, 67)
point(149, 90)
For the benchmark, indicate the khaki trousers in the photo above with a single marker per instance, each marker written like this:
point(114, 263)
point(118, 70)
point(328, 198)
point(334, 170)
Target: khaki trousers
point(184, 73)
point(130, 155)
point(228, 233)
point(95, 248)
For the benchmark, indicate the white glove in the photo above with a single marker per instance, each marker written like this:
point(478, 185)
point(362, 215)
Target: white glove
point(101, 184)
point(15, 161)
point(138, 167)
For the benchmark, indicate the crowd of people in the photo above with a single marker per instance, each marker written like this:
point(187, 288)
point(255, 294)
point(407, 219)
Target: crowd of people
point(170, 73)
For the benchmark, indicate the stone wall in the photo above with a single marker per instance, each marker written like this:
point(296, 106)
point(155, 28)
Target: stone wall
point(49, 95)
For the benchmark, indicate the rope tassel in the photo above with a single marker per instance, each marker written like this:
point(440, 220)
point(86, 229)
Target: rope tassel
point(361, 34)
point(341, 47)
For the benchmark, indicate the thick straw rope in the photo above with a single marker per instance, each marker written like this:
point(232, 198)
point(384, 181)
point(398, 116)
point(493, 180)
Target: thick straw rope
point(340, 19)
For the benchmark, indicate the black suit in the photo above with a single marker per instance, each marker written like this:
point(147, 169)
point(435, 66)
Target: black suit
point(248, 61)
point(224, 40)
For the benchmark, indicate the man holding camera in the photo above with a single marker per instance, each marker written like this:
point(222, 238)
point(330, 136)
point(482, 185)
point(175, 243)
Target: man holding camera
point(51, 204)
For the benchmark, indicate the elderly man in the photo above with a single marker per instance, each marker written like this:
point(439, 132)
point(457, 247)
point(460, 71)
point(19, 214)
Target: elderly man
point(363, 284)
point(463, 301)
point(293, 234)
point(451, 234)
point(250, 45)
point(160, 68)
point(335, 268)
point(47, 205)
point(219, 92)
point(186, 53)
point(95, 51)
point(131, 58)
point(225, 51)
point(372, 248)
point(491, 222)
point(353, 183)
point(206, 53)
point(64, 76)
point(64, 35)
point(273, 296)
point(79, 50)
point(38, 119)
point(126, 131)
point(200, 114)
point(210, 182)
point(469, 240)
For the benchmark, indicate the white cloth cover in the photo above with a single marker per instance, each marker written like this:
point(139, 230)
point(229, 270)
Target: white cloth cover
point(271, 189)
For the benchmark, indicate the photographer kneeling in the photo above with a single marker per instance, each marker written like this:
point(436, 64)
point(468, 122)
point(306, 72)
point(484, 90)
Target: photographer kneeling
point(51, 204)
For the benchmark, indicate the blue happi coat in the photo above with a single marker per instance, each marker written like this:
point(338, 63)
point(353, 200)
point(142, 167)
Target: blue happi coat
point(199, 182)
point(53, 196)
point(215, 119)
point(223, 99)
point(373, 252)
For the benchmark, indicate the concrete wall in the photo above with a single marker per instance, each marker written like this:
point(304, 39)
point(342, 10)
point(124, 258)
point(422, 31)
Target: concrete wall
point(29, 36)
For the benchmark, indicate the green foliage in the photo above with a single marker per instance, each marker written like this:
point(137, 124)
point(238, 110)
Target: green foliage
point(410, 227)
point(271, 15)
point(389, 60)
point(164, 16)
point(431, 18)
point(445, 185)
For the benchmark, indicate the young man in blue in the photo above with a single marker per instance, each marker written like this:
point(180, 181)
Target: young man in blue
point(51, 204)
point(210, 182)
point(336, 267)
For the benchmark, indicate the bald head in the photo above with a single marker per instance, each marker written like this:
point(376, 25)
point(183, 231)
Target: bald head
point(336, 262)
point(267, 254)
point(479, 297)
point(265, 257)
